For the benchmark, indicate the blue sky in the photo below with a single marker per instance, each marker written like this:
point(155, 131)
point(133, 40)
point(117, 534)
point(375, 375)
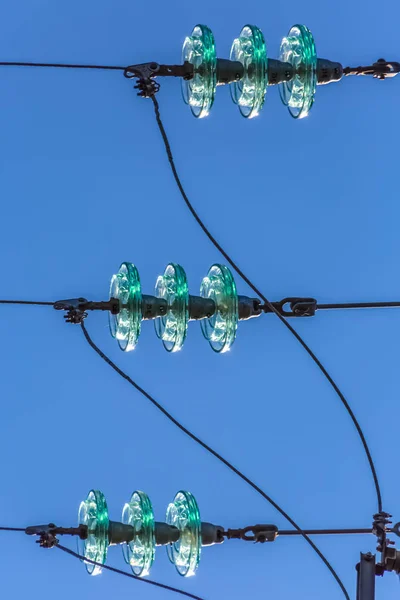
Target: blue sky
point(306, 208)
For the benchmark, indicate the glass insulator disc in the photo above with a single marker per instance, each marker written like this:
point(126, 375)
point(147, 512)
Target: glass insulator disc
point(184, 514)
point(172, 327)
point(199, 50)
point(249, 49)
point(125, 287)
point(298, 49)
point(93, 513)
point(139, 553)
point(220, 328)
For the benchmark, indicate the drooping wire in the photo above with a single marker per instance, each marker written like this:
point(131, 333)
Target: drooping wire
point(126, 574)
point(227, 258)
point(214, 453)
point(267, 302)
point(119, 571)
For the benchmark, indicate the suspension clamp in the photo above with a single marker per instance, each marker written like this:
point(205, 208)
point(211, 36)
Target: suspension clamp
point(379, 528)
point(48, 533)
point(381, 69)
point(145, 73)
point(299, 307)
point(253, 533)
point(77, 308)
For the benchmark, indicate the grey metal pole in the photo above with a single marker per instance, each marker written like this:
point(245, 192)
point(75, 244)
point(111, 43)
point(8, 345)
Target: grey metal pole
point(366, 577)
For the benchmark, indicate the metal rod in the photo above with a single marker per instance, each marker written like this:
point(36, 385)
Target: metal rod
point(366, 577)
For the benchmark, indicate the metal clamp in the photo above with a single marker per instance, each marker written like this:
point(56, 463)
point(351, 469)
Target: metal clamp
point(77, 308)
point(145, 73)
point(379, 528)
point(48, 533)
point(260, 533)
point(381, 69)
point(299, 307)
point(396, 529)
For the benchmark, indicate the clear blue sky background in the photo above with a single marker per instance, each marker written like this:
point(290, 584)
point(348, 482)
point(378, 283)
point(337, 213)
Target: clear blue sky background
point(306, 208)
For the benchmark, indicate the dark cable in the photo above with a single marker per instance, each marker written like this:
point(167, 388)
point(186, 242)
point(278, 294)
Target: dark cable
point(213, 452)
point(290, 532)
point(345, 305)
point(27, 302)
point(266, 301)
point(130, 575)
point(61, 66)
point(12, 528)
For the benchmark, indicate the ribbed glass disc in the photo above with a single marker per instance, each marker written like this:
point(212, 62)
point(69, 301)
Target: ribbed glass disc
point(249, 92)
point(220, 328)
point(199, 51)
point(172, 327)
point(93, 513)
point(139, 553)
point(184, 514)
point(298, 49)
point(125, 287)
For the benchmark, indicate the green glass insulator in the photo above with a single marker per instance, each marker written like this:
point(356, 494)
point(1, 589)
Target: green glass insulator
point(220, 328)
point(199, 50)
point(139, 553)
point(93, 513)
point(172, 327)
point(249, 92)
point(184, 514)
point(298, 49)
point(125, 287)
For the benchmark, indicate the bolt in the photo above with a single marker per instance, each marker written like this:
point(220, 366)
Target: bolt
point(261, 538)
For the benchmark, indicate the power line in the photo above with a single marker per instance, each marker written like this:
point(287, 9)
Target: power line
point(30, 302)
point(266, 301)
point(119, 571)
point(253, 287)
point(228, 259)
point(126, 574)
point(61, 66)
point(346, 305)
point(214, 453)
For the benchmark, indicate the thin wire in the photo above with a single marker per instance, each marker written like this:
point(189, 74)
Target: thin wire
point(266, 301)
point(130, 575)
point(12, 528)
point(33, 303)
point(62, 66)
point(358, 305)
point(290, 532)
point(213, 452)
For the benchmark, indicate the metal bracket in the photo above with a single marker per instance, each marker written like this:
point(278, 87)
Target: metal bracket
point(396, 529)
point(76, 308)
point(145, 73)
point(392, 560)
point(48, 533)
point(260, 533)
point(379, 528)
point(381, 69)
point(299, 307)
